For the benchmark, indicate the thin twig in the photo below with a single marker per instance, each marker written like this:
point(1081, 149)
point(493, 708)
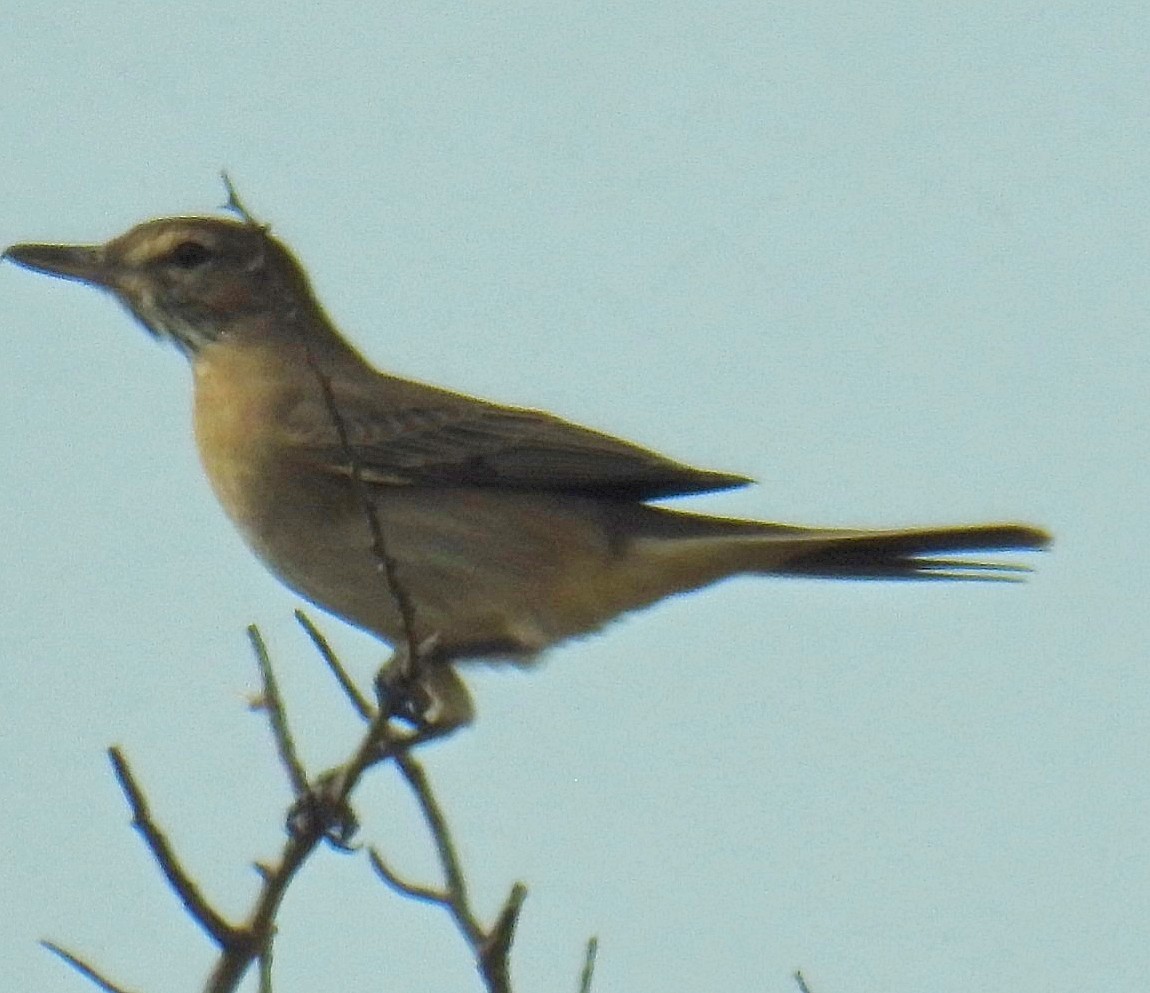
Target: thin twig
point(427, 894)
point(456, 885)
point(589, 964)
point(802, 983)
point(491, 948)
point(236, 205)
point(84, 969)
point(220, 931)
point(277, 715)
point(387, 564)
point(361, 704)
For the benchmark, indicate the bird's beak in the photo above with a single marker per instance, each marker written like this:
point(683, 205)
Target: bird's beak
point(84, 263)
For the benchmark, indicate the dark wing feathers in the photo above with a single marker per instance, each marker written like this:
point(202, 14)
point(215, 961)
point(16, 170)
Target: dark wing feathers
point(443, 439)
point(920, 553)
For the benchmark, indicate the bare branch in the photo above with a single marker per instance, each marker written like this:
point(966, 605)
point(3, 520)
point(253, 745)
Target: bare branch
point(491, 948)
point(220, 931)
point(322, 813)
point(361, 704)
point(84, 969)
point(802, 983)
point(589, 964)
point(277, 715)
point(253, 940)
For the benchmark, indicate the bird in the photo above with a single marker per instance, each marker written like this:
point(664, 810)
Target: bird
point(452, 528)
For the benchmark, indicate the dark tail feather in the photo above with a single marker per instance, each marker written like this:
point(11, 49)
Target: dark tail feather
point(926, 553)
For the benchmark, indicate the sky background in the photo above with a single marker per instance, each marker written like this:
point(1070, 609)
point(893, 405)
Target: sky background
point(887, 258)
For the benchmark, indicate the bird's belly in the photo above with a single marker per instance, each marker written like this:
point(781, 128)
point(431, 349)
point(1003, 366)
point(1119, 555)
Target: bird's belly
point(487, 573)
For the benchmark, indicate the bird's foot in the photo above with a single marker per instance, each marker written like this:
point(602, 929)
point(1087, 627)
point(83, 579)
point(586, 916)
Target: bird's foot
point(423, 691)
point(323, 809)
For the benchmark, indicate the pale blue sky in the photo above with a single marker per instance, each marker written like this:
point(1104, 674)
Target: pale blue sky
point(888, 258)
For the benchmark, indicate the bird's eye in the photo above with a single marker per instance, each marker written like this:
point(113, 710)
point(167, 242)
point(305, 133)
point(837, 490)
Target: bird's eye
point(190, 254)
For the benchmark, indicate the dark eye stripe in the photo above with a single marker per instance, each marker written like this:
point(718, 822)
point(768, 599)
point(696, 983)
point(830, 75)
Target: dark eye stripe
point(189, 254)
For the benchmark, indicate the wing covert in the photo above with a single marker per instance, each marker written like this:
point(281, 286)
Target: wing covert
point(445, 439)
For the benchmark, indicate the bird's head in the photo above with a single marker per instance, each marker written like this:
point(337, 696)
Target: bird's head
point(190, 279)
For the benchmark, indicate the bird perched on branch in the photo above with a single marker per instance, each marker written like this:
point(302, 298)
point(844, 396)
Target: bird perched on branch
point(450, 527)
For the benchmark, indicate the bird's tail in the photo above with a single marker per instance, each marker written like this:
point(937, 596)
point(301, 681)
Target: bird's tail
point(719, 547)
point(919, 553)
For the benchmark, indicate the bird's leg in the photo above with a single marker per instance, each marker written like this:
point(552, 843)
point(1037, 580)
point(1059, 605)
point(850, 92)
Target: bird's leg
point(424, 690)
